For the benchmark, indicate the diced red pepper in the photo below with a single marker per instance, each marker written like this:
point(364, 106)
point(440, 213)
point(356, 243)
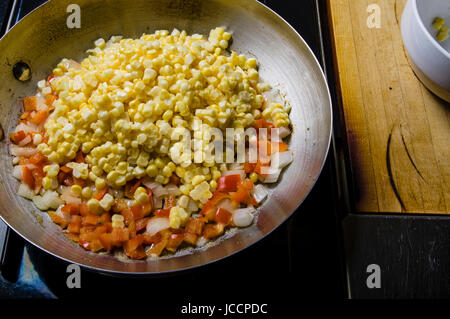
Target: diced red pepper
point(133, 247)
point(243, 192)
point(30, 103)
point(106, 240)
point(18, 136)
point(58, 219)
point(49, 99)
point(174, 242)
point(120, 235)
point(75, 224)
point(39, 117)
point(71, 209)
point(223, 216)
point(37, 159)
point(27, 177)
point(90, 219)
point(228, 183)
point(165, 212)
point(194, 226)
point(84, 210)
point(100, 193)
point(213, 230)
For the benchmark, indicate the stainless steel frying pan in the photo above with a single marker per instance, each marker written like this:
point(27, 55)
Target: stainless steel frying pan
point(42, 38)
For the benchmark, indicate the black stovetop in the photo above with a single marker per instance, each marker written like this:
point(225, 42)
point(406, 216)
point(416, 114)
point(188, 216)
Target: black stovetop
point(303, 257)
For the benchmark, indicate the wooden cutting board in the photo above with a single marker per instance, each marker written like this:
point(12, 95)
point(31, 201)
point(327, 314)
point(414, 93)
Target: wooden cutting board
point(398, 132)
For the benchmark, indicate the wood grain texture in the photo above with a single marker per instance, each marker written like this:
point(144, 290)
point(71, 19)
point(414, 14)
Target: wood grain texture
point(398, 132)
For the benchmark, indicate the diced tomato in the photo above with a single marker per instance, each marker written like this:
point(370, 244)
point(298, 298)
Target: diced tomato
point(223, 216)
point(228, 183)
point(27, 177)
point(165, 212)
point(17, 137)
point(140, 211)
point(39, 117)
point(30, 103)
point(90, 219)
point(174, 242)
point(100, 193)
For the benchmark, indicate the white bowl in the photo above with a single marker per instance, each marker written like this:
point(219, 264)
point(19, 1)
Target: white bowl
point(429, 58)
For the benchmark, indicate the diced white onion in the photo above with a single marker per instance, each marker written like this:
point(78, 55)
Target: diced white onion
point(272, 176)
point(281, 159)
point(25, 141)
point(25, 191)
point(22, 151)
point(17, 172)
point(201, 241)
point(226, 204)
point(156, 224)
point(243, 217)
point(50, 199)
point(23, 127)
point(173, 190)
point(192, 206)
point(69, 197)
point(157, 189)
point(260, 193)
point(157, 202)
point(236, 166)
